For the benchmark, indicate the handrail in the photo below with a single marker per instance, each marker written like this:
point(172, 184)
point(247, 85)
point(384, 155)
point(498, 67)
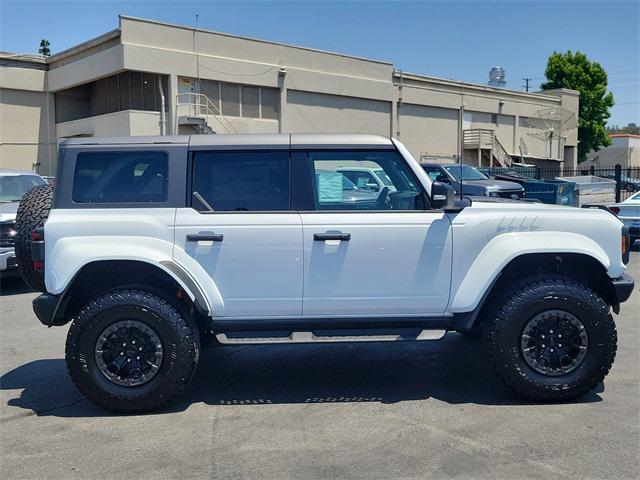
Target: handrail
point(200, 105)
point(486, 139)
point(503, 157)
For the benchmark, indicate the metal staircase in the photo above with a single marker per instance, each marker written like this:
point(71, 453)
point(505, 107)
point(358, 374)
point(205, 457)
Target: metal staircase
point(488, 147)
point(197, 111)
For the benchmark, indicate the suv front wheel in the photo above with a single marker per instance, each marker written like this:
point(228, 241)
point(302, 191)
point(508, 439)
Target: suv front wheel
point(131, 351)
point(552, 339)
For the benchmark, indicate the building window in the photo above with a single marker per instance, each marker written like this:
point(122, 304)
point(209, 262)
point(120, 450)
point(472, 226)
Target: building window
point(234, 100)
point(230, 99)
point(251, 102)
point(270, 102)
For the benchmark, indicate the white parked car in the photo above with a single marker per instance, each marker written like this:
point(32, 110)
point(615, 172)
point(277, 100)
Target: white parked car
point(629, 212)
point(369, 178)
point(154, 246)
point(13, 185)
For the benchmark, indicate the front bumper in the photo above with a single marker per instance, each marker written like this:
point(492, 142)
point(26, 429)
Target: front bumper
point(8, 260)
point(623, 287)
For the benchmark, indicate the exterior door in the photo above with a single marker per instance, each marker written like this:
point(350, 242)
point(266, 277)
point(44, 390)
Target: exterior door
point(373, 253)
point(242, 232)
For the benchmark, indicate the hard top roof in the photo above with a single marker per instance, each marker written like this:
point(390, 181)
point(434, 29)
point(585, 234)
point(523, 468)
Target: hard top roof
point(235, 141)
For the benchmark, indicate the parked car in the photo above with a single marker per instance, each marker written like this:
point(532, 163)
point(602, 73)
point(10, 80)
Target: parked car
point(13, 185)
point(339, 190)
point(629, 212)
point(472, 182)
point(155, 246)
point(373, 179)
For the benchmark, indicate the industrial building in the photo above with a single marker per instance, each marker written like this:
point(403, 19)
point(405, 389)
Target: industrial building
point(152, 78)
point(624, 150)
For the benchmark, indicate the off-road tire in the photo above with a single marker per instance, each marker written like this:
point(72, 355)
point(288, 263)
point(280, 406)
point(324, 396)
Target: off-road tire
point(32, 213)
point(522, 302)
point(178, 334)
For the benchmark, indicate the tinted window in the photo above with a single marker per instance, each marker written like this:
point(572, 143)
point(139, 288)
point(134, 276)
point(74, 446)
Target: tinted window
point(120, 177)
point(13, 187)
point(242, 181)
point(433, 172)
point(345, 181)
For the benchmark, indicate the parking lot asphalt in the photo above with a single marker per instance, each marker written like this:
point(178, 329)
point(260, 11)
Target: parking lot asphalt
point(366, 411)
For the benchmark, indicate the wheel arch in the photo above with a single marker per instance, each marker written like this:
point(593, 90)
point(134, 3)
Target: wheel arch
point(98, 276)
point(582, 267)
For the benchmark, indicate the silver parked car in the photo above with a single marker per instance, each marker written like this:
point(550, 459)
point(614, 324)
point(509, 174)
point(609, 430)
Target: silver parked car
point(13, 185)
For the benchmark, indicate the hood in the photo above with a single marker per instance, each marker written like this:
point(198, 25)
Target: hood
point(496, 184)
point(8, 211)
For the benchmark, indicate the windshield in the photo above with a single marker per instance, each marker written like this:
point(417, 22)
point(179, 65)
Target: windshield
point(468, 173)
point(13, 187)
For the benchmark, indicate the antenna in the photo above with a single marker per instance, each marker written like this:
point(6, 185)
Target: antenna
point(548, 124)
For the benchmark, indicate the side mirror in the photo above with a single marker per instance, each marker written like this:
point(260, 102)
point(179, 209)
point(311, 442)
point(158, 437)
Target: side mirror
point(374, 187)
point(443, 197)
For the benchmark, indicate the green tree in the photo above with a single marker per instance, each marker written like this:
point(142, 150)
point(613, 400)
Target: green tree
point(577, 72)
point(44, 50)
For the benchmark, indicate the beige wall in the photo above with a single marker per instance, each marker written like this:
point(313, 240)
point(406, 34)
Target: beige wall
point(27, 130)
point(623, 150)
point(308, 112)
point(428, 130)
point(128, 122)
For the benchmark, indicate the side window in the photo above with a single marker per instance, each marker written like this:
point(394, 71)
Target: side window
point(241, 181)
point(433, 172)
point(120, 177)
point(364, 180)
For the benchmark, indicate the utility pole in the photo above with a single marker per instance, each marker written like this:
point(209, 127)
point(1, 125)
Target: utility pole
point(526, 83)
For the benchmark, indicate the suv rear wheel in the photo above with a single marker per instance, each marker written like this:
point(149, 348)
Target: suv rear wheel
point(130, 350)
point(553, 339)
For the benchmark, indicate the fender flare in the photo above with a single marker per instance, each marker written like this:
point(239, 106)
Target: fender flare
point(503, 249)
point(71, 254)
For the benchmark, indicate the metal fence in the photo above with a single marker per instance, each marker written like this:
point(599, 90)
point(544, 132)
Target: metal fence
point(627, 178)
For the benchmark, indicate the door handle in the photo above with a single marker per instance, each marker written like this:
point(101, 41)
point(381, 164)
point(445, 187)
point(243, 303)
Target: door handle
point(321, 237)
point(211, 237)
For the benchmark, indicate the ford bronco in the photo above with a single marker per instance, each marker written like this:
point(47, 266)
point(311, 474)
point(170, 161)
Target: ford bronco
point(153, 246)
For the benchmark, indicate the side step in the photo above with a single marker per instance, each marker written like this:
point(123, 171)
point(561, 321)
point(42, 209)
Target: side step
point(258, 337)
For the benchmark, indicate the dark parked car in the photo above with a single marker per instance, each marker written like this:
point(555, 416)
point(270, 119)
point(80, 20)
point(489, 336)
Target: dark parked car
point(474, 182)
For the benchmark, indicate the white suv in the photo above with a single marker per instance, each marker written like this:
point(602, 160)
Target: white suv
point(154, 246)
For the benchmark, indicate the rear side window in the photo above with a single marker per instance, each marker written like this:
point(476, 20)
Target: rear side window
point(120, 177)
point(241, 181)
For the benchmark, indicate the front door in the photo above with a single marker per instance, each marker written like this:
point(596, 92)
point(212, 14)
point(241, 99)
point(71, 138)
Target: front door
point(242, 232)
point(370, 253)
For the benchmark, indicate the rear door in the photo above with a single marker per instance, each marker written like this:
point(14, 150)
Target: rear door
point(240, 228)
point(369, 253)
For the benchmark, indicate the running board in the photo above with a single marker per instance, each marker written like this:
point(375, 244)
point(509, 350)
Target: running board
point(244, 338)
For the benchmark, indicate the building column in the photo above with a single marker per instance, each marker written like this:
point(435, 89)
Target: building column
point(282, 86)
point(171, 99)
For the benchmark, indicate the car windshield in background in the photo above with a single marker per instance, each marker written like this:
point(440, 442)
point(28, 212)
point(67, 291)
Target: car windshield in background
point(468, 173)
point(13, 187)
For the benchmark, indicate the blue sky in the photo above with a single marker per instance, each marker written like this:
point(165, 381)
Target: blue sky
point(451, 39)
